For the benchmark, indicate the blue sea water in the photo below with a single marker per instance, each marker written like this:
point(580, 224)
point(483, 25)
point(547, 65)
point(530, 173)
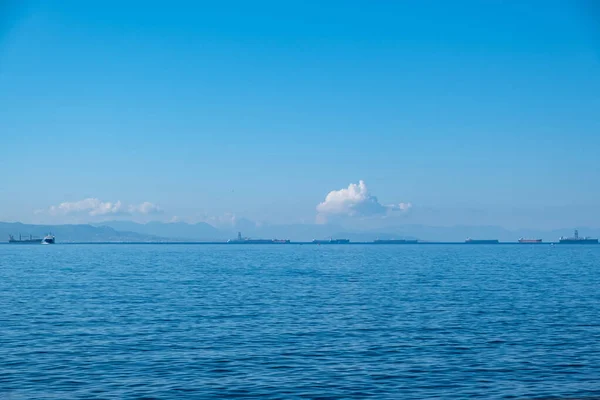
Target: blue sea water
point(289, 321)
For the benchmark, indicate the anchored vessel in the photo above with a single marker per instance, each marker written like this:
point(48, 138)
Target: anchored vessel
point(48, 239)
point(481, 241)
point(245, 240)
point(395, 241)
point(523, 240)
point(332, 241)
point(577, 240)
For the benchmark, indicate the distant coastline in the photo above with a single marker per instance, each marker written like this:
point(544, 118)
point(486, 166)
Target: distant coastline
point(203, 233)
point(420, 243)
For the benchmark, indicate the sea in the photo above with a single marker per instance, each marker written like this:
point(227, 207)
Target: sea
point(168, 321)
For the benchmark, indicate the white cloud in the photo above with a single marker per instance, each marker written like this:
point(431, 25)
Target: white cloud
point(355, 201)
point(91, 206)
point(228, 221)
point(224, 220)
point(96, 207)
point(400, 206)
point(145, 208)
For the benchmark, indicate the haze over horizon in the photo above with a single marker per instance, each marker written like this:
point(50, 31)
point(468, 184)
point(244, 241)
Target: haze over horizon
point(367, 115)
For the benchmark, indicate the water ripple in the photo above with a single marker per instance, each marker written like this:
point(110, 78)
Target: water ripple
point(411, 322)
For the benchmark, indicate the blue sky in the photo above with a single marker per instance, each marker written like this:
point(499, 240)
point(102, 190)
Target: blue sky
point(478, 112)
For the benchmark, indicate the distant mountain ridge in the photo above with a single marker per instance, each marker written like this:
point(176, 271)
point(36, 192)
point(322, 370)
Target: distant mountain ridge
point(181, 231)
point(306, 232)
point(75, 233)
point(205, 232)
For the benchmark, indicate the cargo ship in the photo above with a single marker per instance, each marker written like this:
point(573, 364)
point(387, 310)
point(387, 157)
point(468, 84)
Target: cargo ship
point(245, 240)
point(577, 240)
point(530, 241)
point(331, 241)
point(395, 241)
point(481, 241)
point(48, 239)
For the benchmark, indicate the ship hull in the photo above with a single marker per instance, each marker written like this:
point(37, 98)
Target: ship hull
point(530, 241)
point(29, 241)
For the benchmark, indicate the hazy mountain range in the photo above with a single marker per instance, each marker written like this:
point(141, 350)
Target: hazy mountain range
point(127, 231)
point(307, 232)
point(73, 233)
point(205, 232)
